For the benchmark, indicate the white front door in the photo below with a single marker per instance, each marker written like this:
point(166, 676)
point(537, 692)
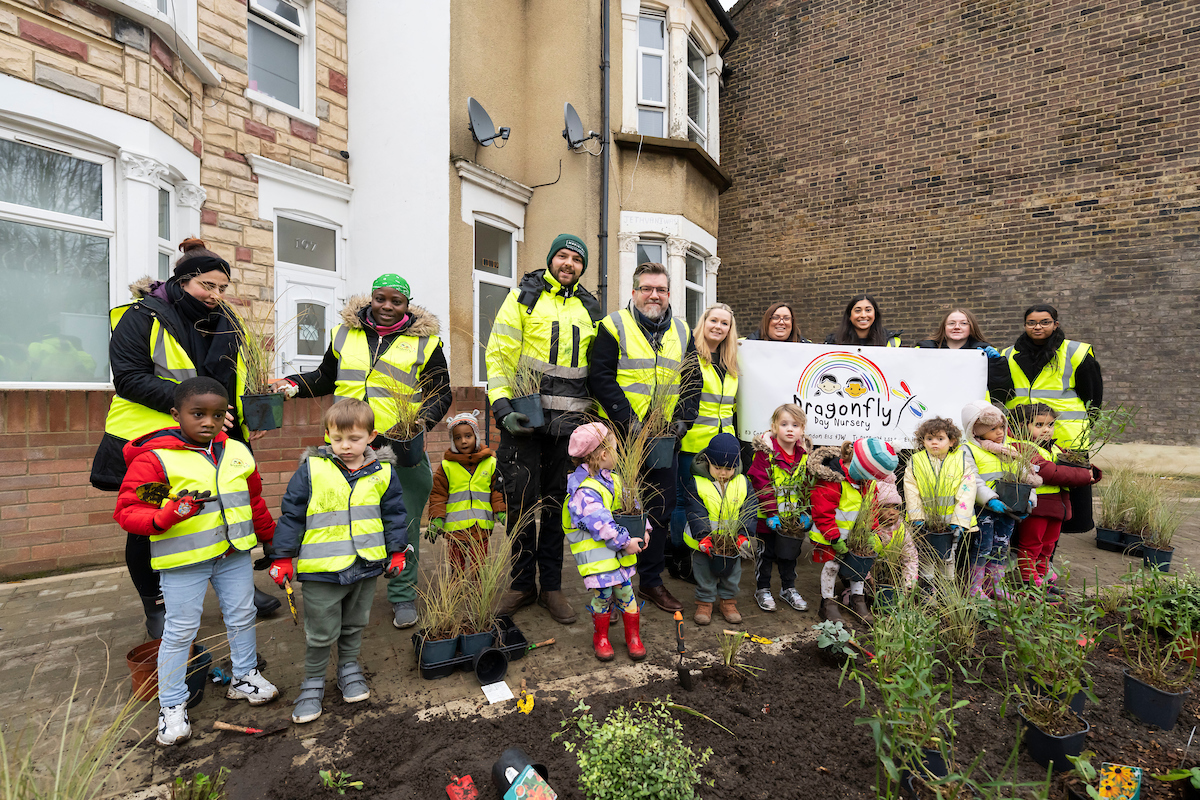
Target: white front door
point(307, 305)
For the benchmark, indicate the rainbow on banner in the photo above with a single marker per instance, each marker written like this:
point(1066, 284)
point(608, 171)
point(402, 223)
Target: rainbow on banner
point(839, 363)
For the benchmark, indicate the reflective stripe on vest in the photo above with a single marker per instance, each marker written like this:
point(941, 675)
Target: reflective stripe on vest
point(717, 402)
point(641, 372)
point(939, 488)
point(342, 524)
point(893, 341)
point(845, 514)
point(990, 465)
point(593, 557)
point(1055, 386)
point(724, 509)
point(787, 498)
point(129, 420)
point(221, 523)
point(470, 500)
point(394, 376)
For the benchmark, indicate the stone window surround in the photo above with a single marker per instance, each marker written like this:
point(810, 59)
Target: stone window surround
point(682, 22)
point(307, 112)
point(142, 156)
point(178, 34)
point(681, 236)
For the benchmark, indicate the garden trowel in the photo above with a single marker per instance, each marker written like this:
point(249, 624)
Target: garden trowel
point(155, 493)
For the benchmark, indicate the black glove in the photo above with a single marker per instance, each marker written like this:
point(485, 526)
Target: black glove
point(517, 424)
point(680, 429)
point(267, 559)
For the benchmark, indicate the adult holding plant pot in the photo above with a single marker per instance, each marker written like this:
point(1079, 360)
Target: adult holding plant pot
point(388, 352)
point(862, 325)
point(1044, 366)
point(171, 331)
point(643, 376)
point(541, 338)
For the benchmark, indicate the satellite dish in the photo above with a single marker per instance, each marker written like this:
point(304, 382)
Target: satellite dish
point(573, 132)
point(482, 129)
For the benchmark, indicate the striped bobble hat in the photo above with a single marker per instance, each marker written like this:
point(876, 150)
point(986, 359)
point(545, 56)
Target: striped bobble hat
point(466, 418)
point(873, 459)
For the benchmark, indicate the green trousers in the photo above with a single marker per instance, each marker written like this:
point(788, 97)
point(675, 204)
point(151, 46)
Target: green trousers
point(334, 613)
point(416, 483)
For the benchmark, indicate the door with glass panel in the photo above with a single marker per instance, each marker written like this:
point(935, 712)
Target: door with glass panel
point(309, 292)
point(494, 277)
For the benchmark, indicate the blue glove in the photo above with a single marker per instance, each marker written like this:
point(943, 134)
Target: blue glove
point(773, 522)
point(805, 522)
point(995, 505)
point(958, 530)
point(992, 352)
point(917, 524)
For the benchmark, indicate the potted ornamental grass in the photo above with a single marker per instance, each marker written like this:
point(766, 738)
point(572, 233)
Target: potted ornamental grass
point(1014, 486)
point(1103, 424)
point(484, 580)
point(887, 571)
point(442, 606)
point(262, 408)
point(632, 489)
point(657, 423)
point(1166, 515)
point(724, 538)
point(936, 533)
point(793, 502)
point(407, 435)
point(862, 543)
point(524, 380)
point(1158, 678)
point(1115, 523)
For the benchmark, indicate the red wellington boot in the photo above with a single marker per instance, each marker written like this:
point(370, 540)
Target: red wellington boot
point(604, 650)
point(633, 637)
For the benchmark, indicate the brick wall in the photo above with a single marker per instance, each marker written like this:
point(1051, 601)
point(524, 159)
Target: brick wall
point(52, 519)
point(988, 154)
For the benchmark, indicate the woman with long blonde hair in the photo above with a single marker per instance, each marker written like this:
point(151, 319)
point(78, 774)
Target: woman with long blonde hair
point(716, 345)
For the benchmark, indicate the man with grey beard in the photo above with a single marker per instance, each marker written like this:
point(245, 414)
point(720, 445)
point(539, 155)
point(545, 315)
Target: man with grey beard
point(636, 349)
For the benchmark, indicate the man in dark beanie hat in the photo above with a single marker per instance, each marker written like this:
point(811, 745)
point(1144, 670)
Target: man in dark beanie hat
point(546, 326)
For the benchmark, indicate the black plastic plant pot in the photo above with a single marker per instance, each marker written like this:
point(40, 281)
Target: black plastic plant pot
point(855, 568)
point(634, 523)
point(262, 412)
point(660, 452)
point(787, 547)
point(434, 651)
point(531, 406)
point(1152, 705)
point(885, 596)
point(1077, 704)
point(1157, 558)
point(722, 566)
point(472, 644)
point(1074, 458)
point(1110, 539)
point(932, 762)
point(1133, 544)
point(1049, 750)
point(197, 674)
point(490, 665)
point(408, 451)
point(510, 765)
point(939, 543)
point(1190, 792)
point(1014, 495)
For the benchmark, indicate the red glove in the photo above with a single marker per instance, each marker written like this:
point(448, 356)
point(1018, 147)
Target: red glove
point(742, 539)
point(396, 564)
point(186, 505)
point(282, 571)
point(706, 545)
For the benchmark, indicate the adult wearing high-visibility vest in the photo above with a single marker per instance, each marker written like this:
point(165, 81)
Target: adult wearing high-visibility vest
point(862, 325)
point(384, 346)
point(635, 350)
point(547, 323)
point(170, 331)
point(1047, 367)
point(716, 340)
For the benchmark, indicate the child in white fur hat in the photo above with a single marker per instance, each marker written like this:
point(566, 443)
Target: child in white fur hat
point(466, 501)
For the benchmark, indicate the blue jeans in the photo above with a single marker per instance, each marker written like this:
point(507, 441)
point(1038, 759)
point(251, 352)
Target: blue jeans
point(183, 588)
point(685, 485)
point(990, 544)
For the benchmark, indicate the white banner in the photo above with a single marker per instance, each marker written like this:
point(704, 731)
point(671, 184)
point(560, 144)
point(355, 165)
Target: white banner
point(849, 392)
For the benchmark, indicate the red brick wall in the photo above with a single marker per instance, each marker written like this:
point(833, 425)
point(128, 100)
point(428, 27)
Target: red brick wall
point(990, 154)
point(51, 518)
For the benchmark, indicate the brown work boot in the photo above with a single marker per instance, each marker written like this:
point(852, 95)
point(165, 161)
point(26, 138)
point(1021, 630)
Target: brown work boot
point(515, 599)
point(556, 603)
point(858, 604)
point(659, 596)
point(728, 609)
point(703, 615)
point(830, 610)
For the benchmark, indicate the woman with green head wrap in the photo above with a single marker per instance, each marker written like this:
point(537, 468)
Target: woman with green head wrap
point(387, 351)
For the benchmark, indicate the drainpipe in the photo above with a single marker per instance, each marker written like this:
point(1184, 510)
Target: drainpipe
point(605, 137)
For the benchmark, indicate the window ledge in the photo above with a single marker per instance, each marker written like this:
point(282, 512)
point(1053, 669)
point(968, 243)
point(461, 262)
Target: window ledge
point(165, 30)
point(681, 148)
point(302, 179)
point(255, 96)
point(493, 181)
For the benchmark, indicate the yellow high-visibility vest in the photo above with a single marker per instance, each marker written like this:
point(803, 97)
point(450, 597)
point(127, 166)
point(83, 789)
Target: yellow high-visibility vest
point(787, 498)
point(470, 501)
point(718, 399)
point(990, 465)
point(724, 509)
point(932, 483)
point(129, 420)
point(640, 370)
point(1055, 386)
point(221, 523)
point(593, 557)
point(845, 514)
point(1049, 456)
point(394, 376)
point(342, 524)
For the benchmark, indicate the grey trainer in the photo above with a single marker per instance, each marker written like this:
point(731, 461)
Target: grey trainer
point(308, 702)
point(406, 614)
point(352, 682)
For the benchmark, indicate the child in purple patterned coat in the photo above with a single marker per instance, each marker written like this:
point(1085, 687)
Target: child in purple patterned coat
point(605, 552)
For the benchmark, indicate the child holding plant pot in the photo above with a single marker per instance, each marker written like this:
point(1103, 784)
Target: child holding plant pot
point(939, 494)
point(721, 504)
point(777, 472)
point(343, 520)
point(466, 501)
point(845, 477)
point(605, 552)
point(1037, 534)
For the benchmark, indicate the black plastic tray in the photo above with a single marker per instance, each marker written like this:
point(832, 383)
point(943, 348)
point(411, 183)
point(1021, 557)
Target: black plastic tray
point(513, 645)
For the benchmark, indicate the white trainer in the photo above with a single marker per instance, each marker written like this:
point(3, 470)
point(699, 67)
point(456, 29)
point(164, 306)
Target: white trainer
point(764, 599)
point(793, 599)
point(253, 687)
point(173, 725)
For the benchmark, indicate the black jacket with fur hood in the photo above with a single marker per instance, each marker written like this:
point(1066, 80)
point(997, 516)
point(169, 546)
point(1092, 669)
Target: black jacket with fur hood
point(289, 528)
point(436, 375)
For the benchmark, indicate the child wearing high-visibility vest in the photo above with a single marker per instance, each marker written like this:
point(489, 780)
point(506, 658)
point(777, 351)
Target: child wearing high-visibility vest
point(845, 477)
point(1037, 534)
point(201, 533)
point(939, 494)
point(466, 501)
point(605, 552)
point(722, 497)
point(343, 520)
